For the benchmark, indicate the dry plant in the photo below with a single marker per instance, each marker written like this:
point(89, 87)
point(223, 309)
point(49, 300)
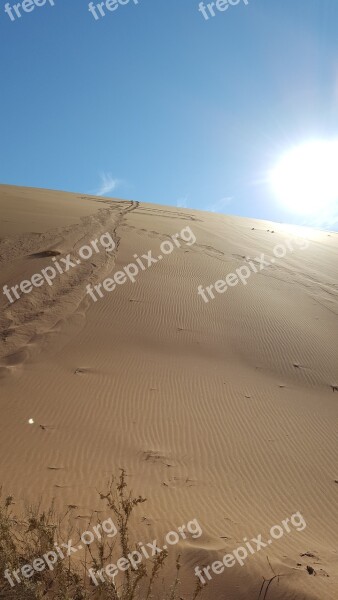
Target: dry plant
point(263, 592)
point(24, 539)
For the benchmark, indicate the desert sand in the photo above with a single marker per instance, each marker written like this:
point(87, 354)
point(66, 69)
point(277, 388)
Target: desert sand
point(223, 411)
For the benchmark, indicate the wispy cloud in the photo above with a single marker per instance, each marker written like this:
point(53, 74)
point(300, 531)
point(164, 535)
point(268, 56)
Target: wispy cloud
point(107, 185)
point(182, 202)
point(219, 205)
point(327, 220)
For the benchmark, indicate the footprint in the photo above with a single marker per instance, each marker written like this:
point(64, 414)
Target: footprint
point(5, 334)
point(45, 254)
point(83, 371)
point(153, 456)
point(15, 359)
point(157, 457)
point(174, 482)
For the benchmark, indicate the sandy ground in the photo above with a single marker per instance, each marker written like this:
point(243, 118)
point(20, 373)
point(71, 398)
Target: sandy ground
point(223, 411)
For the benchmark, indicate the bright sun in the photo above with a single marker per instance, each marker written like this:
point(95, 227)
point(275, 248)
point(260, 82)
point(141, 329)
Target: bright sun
point(306, 178)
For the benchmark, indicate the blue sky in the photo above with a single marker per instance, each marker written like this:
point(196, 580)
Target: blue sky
point(154, 103)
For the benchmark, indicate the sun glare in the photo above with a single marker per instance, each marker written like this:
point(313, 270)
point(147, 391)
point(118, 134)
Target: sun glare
point(306, 178)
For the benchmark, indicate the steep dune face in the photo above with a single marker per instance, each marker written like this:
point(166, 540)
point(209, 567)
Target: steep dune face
point(222, 405)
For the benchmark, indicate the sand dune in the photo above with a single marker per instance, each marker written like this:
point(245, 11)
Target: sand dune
point(223, 411)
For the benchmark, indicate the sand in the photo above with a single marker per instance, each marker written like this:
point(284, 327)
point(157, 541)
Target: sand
point(223, 411)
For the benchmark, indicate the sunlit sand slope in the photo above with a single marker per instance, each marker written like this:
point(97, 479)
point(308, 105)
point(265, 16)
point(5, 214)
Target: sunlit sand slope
point(224, 411)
